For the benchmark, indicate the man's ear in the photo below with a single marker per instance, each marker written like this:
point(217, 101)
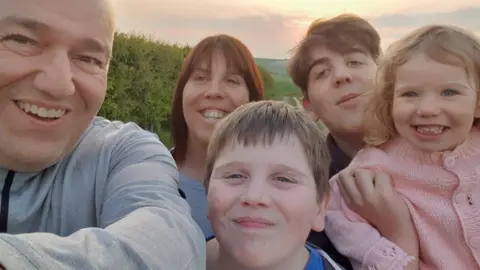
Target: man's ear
point(307, 107)
point(306, 103)
point(319, 222)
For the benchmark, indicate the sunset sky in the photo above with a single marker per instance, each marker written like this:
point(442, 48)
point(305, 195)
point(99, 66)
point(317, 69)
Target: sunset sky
point(270, 28)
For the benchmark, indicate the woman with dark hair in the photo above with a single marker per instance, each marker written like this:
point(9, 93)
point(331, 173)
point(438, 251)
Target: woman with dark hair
point(218, 75)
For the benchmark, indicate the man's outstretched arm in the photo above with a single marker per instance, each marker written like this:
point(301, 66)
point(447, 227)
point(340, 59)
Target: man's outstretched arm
point(144, 222)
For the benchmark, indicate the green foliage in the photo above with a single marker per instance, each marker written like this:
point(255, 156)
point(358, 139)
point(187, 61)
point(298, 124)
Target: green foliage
point(277, 67)
point(283, 85)
point(283, 89)
point(142, 78)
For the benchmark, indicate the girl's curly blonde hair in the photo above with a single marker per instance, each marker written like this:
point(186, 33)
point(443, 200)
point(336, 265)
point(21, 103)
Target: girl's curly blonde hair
point(444, 44)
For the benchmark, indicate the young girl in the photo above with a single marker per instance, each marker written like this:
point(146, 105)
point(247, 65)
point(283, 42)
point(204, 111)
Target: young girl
point(422, 130)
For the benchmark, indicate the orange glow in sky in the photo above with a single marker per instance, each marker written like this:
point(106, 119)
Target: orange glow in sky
point(271, 27)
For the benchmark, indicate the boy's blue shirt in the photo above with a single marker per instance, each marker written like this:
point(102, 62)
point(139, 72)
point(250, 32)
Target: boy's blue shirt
point(315, 260)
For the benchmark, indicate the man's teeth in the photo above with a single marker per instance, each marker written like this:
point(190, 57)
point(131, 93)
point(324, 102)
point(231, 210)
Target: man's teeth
point(41, 112)
point(430, 129)
point(213, 114)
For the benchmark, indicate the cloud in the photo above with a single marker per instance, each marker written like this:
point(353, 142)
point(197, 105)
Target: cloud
point(466, 17)
point(264, 33)
point(267, 34)
point(393, 26)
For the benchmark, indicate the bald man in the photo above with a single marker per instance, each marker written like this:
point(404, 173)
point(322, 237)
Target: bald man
point(79, 191)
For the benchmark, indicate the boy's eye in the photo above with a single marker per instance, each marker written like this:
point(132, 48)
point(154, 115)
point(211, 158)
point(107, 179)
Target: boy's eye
point(234, 175)
point(284, 179)
point(322, 74)
point(234, 178)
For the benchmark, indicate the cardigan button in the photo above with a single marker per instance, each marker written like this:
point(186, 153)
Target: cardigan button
point(449, 161)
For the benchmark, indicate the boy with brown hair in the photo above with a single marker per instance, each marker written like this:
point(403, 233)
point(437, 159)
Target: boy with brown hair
point(334, 65)
point(267, 188)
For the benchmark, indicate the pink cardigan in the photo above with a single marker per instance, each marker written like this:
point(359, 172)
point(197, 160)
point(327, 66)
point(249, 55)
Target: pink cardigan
point(442, 192)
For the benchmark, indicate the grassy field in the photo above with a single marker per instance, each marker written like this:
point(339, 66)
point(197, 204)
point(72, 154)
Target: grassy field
point(284, 86)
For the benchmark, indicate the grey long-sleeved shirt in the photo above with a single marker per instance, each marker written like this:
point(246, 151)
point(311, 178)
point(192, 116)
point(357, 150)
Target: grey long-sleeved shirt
point(112, 204)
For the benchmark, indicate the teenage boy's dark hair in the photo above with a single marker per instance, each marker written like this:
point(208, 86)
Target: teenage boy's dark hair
point(341, 34)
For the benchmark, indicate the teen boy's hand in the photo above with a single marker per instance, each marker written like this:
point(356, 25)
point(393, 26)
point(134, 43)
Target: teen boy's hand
point(372, 196)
